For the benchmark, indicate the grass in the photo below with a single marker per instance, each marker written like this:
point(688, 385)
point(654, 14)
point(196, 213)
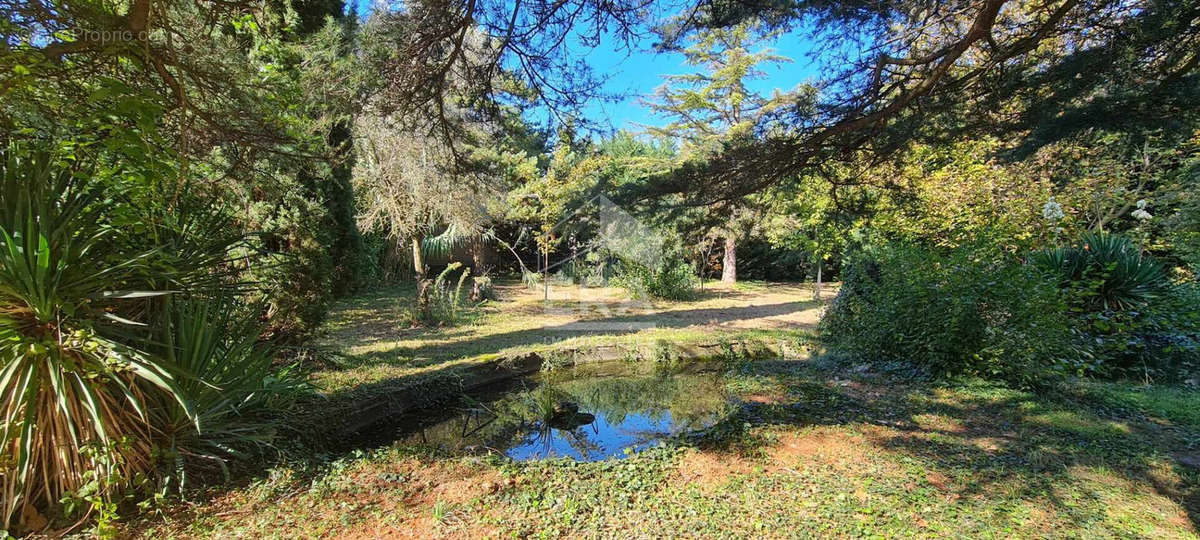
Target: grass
point(1175, 404)
point(815, 451)
point(817, 448)
point(373, 344)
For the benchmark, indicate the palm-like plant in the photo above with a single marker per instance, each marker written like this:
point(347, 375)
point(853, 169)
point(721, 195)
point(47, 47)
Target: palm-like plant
point(229, 381)
point(1109, 267)
point(74, 405)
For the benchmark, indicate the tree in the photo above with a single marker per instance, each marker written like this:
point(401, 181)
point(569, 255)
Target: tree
point(899, 71)
point(547, 198)
point(441, 168)
point(407, 188)
point(713, 107)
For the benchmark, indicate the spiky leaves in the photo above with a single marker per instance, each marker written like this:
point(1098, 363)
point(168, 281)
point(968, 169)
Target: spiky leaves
point(74, 398)
point(1108, 270)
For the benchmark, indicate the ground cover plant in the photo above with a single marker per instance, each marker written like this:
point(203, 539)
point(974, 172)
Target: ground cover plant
point(244, 244)
point(815, 449)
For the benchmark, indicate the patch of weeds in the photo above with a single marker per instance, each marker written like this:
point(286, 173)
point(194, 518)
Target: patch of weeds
point(554, 360)
point(442, 512)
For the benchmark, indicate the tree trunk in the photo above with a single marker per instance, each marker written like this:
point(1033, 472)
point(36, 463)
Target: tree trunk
point(729, 265)
point(418, 259)
point(478, 256)
point(817, 290)
point(424, 286)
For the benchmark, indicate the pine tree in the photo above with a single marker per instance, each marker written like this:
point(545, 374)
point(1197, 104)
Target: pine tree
point(713, 106)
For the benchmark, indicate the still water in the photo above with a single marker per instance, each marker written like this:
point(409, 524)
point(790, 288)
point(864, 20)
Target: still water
point(587, 413)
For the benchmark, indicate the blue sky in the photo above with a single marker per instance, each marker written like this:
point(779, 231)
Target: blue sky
point(635, 74)
point(639, 72)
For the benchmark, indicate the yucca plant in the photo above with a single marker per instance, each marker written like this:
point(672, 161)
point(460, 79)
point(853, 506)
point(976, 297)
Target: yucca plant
point(74, 409)
point(229, 379)
point(1109, 268)
point(443, 301)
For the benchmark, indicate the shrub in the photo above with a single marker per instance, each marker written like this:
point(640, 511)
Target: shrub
point(95, 369)
point(1162, 341)
point(671, 279)
point(74, 397)
point(956, 313)
point(230, 383)
point(1127, 315)
point(438, 301)
point(1105, 272)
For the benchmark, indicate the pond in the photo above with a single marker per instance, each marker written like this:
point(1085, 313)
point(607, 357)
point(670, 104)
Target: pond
point(586, 413)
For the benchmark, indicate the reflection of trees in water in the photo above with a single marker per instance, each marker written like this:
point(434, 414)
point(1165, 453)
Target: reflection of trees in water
point(688, 401)
point(561, 407)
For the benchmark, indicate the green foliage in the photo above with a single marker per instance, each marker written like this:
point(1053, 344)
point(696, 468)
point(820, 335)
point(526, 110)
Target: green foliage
point(1182, 227)
point(101, 369)
point(531, 280)
point(443, 302)
point(1158, 342)
point(951, 313)
point(229, 383)
point(1129, 318)
point(716, 105)
point(672, 278)
point(292, 280)
point(68, 381)
point(1104, 272)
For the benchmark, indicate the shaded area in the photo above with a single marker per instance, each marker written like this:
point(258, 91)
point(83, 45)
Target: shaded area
point(1061, 447)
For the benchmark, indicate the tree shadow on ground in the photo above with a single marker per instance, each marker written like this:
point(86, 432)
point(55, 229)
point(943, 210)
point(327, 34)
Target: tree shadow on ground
point(995, 437)
point(621, 325)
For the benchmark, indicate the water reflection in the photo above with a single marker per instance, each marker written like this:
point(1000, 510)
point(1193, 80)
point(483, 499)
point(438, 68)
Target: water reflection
point(587, 413)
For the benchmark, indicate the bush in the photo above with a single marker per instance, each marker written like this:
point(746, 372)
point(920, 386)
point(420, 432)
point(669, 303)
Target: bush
point(671, 279)
point(955, 313)
point(1127, 315)
point(591, 270)
point(98, 370)
point(230, 385)
point(438, 301)
point(1164, 338)
point(73, 417)
point(1105, 272)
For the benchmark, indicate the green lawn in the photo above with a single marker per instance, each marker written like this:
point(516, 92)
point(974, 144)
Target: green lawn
point(818, 448)
point(373, 342)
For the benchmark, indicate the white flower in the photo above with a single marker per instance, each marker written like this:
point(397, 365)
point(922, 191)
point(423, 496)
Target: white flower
point(1141, 203)
point(1052, 211)
point(1141, 214)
